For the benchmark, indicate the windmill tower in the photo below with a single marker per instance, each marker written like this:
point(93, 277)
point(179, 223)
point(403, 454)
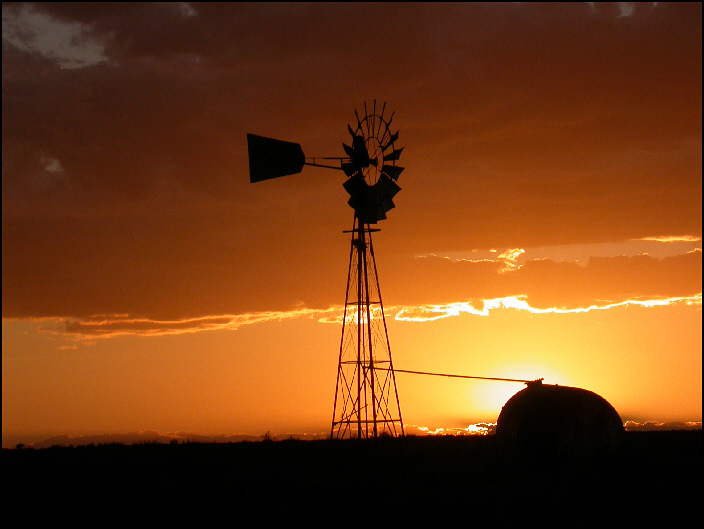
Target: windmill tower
point(366, 401)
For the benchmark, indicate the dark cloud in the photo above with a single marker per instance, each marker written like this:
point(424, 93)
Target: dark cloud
point(125, 185)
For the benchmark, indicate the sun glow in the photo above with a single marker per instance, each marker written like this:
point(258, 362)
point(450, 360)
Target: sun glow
point(487, 397)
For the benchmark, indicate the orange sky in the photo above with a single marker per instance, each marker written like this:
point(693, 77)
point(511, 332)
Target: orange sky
point(549, 223)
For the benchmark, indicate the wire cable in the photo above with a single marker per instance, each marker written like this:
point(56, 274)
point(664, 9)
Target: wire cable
point(463, 376)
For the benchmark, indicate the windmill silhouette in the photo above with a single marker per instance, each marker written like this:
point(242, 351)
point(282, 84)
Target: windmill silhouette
point(366, 401)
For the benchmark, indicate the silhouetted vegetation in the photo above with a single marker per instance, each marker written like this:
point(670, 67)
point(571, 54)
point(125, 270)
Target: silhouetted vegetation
point(655, 477)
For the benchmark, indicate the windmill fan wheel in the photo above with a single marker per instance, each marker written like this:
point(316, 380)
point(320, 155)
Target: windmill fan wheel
point(371, 168)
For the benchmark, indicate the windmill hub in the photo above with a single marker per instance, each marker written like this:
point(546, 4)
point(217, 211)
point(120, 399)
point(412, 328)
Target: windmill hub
point(373, 170)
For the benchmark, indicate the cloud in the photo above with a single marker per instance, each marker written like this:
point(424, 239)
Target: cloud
point(650, 426)
point(436, 312)
point(510, 258)
point(196, 296)
point(108, 326)
point(656, 247)
point(545, 283)
point(672, 238)
point(68, 43)
point(125, 184)
point(472, 429)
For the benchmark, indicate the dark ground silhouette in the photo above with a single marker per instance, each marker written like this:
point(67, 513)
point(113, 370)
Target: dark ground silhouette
point(655, 477)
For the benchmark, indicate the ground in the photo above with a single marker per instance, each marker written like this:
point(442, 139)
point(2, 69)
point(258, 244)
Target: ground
point(654, 477)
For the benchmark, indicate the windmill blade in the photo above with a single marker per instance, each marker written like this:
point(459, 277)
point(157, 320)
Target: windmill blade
point(349, 168)
point(387, 187)
point(392, 171)
point(392, 139)
point(388, 123)
point(270, 158)
point(370, 210)
point(381, 119)
point(349, 150)
point(351, 131)
point(367, 114)
point(387, 204)
point(355, 185)
point(359, 155)
point(394, 155)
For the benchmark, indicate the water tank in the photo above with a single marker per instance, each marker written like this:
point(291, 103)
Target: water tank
point(551, 420)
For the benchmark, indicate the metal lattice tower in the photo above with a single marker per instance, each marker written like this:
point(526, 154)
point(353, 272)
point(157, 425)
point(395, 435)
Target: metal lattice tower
point(366, 398)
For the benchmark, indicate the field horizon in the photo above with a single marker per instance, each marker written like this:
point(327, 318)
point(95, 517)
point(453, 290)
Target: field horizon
point(387, 481)
point(41, 441)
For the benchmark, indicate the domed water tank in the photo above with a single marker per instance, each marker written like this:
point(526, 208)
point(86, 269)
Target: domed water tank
point(558, 421)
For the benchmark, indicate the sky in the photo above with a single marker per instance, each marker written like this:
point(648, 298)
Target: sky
point(548, 226)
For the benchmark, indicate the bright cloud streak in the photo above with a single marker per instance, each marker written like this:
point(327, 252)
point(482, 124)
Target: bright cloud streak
point(436, 312)
point(513, 259)
point(472, 429)
point(510, 258)
point(108, 326)
point(671, 238)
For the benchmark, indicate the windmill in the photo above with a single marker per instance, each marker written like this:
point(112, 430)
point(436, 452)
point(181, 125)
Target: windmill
point(366, 401)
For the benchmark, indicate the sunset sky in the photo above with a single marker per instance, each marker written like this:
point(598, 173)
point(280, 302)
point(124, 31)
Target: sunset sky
point(549, 223)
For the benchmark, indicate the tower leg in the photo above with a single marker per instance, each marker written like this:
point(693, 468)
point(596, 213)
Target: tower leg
point(366, 398)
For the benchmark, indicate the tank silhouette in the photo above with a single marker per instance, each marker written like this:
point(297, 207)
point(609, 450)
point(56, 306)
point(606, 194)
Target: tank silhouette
point(555, 421)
